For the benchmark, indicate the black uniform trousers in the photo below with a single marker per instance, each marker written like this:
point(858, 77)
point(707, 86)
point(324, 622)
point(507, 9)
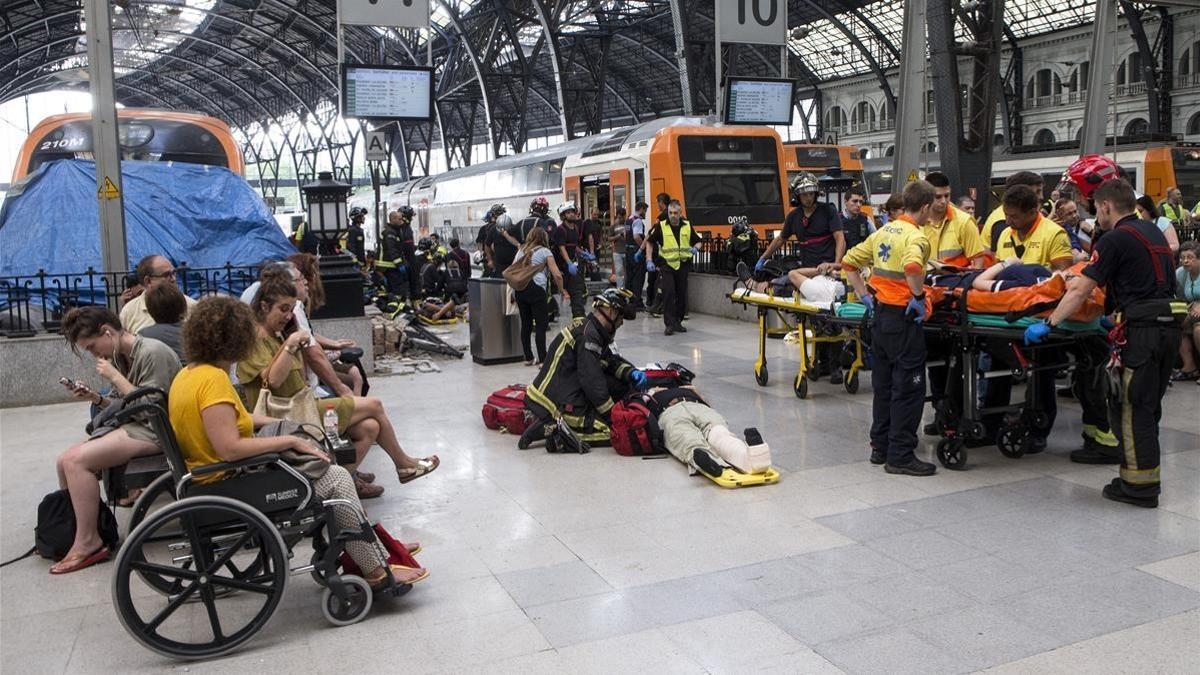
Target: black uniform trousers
point(674, 283)
point(1089, 383)
point(1041, 385)
point(1135, 400)
point(414, 276)
point(653, 288)
point(898, 379)
point(635, 276)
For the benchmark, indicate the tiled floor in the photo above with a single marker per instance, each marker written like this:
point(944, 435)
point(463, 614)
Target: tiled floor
point(598, 563)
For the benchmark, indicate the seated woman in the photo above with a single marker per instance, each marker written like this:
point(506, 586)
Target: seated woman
point(127, 361)
point(167, 306)
point(698, 436)
point(211, 424)
point(273, 363)
point(1187, 288)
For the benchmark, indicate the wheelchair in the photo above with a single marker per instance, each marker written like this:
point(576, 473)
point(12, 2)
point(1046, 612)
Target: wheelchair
point(202, 575)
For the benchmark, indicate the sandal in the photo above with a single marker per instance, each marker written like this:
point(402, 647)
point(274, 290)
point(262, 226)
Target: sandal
point(1184, 375)
point(413, 548)
point(367, 490)
point(130, 498)
point(379, 580)
point(365, 476)
point(76, 562)
point(424, 467)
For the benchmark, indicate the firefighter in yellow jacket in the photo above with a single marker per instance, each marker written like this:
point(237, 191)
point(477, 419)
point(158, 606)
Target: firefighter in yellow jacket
point(896, 255)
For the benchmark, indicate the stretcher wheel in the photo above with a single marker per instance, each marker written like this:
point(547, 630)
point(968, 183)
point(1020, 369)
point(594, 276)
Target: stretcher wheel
point(952, 453)
point(761, 376)
point(353, 608)
point(851, 383)
point(977, 430)
point(801, 387)
point(1040, 421)
point(1014, 441)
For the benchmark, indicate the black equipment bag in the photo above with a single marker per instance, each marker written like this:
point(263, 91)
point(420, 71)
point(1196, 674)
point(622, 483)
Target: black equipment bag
point(55, 530)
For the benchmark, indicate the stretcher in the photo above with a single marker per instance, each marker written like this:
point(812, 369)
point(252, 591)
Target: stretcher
point(970, 333)
point(810, 323)
point(732, 478)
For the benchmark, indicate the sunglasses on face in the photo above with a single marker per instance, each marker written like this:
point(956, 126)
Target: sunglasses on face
point(164, 275)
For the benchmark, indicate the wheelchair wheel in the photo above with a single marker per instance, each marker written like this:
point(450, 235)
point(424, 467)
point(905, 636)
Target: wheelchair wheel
point(205, 548)
point(352, 609)
point(952, 453)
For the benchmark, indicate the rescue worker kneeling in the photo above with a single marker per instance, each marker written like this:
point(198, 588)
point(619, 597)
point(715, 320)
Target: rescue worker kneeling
point(582, 375)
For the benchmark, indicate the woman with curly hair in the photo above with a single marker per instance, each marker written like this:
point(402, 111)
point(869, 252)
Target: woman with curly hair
point(212, 426)
point(273, 363)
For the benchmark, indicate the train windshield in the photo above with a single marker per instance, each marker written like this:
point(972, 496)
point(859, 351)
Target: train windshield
point(728, 179)
point(140, 139)
point(1187, 173)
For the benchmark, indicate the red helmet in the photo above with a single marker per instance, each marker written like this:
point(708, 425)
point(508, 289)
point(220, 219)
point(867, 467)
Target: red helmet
point(1089, 171)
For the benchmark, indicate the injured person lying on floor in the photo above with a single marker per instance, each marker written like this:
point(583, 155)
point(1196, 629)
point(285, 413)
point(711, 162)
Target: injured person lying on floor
point(814, 284)
point(700, 437)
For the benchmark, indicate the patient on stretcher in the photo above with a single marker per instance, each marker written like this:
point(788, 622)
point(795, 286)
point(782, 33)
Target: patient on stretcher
point(699, 436)
point(1002, 276)
point(814, 284)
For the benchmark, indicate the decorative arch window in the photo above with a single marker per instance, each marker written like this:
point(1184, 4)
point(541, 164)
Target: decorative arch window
point(836, 120)
point(1137, 127)
point(1130, 70)
point(864, 153)
point(887, 116)
point(890, 152)
point(997, 140)
point(863, 117)
point(931, 147)
point(1044, 137)
point(1193, 125)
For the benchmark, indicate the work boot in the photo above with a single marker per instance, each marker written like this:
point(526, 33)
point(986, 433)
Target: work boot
point(744, 272)
point(679, 328)
point(1036, 444)
point(751, 434)
point(705, 463)
point(837, 376)
point(669, 330)
point(932, 429)
point(1096, 453)
point(913, 467)
point(878, 456)
point(535, 432)
point(1115, 492)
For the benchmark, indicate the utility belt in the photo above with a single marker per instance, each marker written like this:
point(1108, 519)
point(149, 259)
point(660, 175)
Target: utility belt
point(1154, 313)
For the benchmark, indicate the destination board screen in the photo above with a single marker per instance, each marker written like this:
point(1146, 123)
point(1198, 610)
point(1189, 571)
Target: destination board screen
point(759, 101)
point(372, 92)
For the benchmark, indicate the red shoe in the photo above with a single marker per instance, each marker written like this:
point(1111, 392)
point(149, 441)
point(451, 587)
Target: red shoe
point(74, 563)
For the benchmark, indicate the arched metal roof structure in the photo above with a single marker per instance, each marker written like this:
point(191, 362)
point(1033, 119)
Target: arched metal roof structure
point(507, 70)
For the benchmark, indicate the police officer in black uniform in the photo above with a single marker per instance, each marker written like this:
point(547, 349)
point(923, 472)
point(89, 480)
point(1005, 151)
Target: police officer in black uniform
point(856, 227)
point(1133, 262)
point(581, 376)
point(356, 239)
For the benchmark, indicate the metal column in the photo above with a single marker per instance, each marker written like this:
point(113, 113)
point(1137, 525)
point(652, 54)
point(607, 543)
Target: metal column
point(105, 146)
point(718, 100)
point(1096, 108)
point(685, 84)
point(910, 107)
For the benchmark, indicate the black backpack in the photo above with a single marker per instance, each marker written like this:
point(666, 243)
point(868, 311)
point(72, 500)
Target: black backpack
point(55, 531)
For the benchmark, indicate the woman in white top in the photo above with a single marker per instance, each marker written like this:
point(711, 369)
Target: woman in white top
point(532, 301)
point(1149, 212)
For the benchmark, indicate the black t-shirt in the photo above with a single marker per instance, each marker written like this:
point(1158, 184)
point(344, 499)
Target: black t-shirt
point(522, 228)
point(406, 240)
point(855, 229)
point(567, 237)
point(1122, 263)
point(503, 251)
point(656, 238)
point(592, 230)
point(814, 233)
point(482, 236)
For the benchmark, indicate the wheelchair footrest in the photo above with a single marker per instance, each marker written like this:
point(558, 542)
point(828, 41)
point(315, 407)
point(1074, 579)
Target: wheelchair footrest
point(364, 533)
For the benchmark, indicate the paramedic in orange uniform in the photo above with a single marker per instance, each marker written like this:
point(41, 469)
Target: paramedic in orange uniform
point(896, 255)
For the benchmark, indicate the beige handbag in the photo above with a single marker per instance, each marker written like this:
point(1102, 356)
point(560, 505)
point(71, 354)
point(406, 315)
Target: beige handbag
point(300, 408)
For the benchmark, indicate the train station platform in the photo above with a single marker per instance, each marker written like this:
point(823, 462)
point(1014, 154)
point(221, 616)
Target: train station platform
point(599, 563)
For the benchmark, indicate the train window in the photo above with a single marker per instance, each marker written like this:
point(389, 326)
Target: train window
point(716, 193)
point(1186, 162)
point(639, 185)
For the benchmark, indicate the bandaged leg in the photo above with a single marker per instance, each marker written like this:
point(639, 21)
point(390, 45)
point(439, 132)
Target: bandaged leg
point(685, 430)
point(735, 451)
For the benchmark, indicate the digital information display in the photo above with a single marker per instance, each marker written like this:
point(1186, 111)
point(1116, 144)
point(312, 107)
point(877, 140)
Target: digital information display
point(758, 101)
point(372, 92)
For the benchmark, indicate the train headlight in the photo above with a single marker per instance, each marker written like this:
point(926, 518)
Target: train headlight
point(134, 135)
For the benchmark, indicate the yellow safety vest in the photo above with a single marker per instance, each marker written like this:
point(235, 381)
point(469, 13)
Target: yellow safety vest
point(674, 252)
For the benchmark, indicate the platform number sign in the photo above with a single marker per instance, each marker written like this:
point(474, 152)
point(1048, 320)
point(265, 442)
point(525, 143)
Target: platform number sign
point(760, 22)
point(410, 13)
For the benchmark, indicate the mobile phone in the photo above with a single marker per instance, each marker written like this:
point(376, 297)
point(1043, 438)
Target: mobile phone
point(67, 382)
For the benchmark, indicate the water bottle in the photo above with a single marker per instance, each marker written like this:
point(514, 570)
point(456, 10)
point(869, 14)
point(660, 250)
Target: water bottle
point(331, 426)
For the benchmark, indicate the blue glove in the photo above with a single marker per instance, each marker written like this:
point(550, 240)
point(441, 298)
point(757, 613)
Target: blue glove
point(1107, 323)
point(916, 309)
point(694, 250)
point(650, 266)
point(759, 265)
point(868, 301)
point(586, 256)
point(639, 256)
point(572, 269)
point(1036, 333)
point(638, 379)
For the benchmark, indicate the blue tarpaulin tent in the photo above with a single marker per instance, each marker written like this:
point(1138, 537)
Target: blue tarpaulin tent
point(202, 215)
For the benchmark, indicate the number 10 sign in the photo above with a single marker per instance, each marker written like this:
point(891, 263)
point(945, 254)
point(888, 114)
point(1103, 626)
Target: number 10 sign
point(760, 22)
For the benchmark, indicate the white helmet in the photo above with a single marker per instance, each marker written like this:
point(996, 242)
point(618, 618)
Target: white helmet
point(566, 206)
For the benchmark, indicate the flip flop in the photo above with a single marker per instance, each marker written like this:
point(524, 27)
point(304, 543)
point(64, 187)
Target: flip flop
point(410, 582)
point(413, 549)
point(76, 562)
point(424, 467)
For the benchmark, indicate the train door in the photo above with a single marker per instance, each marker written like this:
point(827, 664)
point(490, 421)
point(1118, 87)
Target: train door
point(570, 190)
point(594, 194)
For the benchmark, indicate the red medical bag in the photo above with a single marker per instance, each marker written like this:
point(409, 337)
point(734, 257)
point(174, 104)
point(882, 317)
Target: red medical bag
point(505, 409)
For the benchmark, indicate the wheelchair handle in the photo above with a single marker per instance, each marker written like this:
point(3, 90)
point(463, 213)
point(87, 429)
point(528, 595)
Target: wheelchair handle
point(117, 407)
point(351, 355)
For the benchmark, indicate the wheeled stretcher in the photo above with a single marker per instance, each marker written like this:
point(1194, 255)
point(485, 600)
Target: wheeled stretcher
point(811, 323)
point(970, 333)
